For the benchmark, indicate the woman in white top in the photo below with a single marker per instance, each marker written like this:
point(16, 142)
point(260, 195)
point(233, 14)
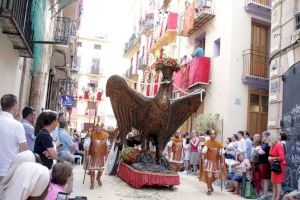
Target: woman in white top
point(231, 148)
point(187, 152)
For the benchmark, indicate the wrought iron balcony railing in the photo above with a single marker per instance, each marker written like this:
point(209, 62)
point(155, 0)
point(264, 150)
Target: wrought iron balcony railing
point(16, 23)
point(65, 27)
point(256, 64)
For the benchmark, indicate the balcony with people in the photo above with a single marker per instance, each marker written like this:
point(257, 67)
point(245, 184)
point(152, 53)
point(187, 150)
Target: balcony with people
point(256, 68)
point(165, 32)
point(192, 74)
point(16, 23)
point(259, 7)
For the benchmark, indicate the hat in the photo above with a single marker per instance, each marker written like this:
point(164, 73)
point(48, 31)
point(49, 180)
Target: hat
point(27, 111)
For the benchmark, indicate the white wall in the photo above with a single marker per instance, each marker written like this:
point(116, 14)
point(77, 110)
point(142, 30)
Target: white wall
point(10, 67)
point(232, 24)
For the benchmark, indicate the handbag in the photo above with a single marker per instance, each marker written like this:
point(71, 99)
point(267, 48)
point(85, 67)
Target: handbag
point(276, 167)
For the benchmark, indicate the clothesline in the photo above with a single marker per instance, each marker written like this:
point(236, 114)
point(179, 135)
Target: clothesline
point(198, 91)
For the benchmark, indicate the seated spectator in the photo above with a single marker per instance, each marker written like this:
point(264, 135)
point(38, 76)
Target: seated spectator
point(66, 144)
point(61, 180)
point(78, 147)
point(33, 184)
point(25, 156)
point(241, 166)
point(44, 147)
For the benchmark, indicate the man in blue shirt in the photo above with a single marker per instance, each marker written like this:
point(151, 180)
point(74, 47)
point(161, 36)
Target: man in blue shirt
point(199, 52)
point(66, 144)
point(29, 117)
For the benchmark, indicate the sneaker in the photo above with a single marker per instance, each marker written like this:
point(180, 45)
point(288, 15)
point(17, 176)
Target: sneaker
point(185, 172)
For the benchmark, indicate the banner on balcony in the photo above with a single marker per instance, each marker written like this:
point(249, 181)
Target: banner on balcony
point(189, 17)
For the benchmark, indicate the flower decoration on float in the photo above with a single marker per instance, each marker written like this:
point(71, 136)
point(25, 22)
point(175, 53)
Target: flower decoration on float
point(166, 63)
point(130, 155)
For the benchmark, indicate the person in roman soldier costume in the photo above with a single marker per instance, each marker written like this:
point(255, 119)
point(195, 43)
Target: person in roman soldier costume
point(97, 151)
point(212, 166)
point(176, 152)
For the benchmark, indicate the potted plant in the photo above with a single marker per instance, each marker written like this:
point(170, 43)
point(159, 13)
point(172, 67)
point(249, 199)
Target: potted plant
point(167, 66)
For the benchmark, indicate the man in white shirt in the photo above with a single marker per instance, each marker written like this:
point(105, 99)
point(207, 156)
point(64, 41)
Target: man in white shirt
point(249, 145)
point(242, 147)
point(13, 139)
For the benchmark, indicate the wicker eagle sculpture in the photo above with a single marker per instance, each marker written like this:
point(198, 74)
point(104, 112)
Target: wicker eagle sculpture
point(156, 118)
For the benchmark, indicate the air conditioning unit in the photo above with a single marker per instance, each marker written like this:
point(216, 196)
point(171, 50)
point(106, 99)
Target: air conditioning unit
point(295, 36)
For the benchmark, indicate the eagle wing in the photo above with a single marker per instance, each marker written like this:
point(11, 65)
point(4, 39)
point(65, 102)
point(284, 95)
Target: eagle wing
point(129, 106)
point(181, 109)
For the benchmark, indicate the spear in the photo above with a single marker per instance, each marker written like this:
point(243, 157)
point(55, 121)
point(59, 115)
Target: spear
point(222, 123)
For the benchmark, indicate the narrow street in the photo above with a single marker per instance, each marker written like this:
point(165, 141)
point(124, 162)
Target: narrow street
point(115, 189)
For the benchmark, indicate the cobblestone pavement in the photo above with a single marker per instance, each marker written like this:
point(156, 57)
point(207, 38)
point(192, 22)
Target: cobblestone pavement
point(115, 189)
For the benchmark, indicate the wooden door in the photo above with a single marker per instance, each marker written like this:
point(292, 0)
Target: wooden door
point(257, 112)
point(259, 49)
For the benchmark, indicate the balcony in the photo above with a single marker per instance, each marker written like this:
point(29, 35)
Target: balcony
point(141, 63)
point(194, 73)
point(256, 69)
point(132, 46)
point(261, 8)
point(146, 24)
point(165, 33)
point(16, 24)
point(204, 13)
point(64, 29)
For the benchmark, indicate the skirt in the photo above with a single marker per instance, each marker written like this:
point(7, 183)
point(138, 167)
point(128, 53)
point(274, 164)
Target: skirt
point(277, 178)
point(194, 158)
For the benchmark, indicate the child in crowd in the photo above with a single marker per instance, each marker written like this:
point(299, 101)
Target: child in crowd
point(61, 180)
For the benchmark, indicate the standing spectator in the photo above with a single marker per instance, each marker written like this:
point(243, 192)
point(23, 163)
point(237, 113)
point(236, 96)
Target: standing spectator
point(61, 179)
point(242, 147)
point(249, 144)
point(187, 152)
point(44, 147)
point(254, 163)
point(29, 117)
point(283, 138)
point(231, 148)
point(277, 155)
point(66, 144)
point(264, 166)
point(194, 156)
point(13, 139)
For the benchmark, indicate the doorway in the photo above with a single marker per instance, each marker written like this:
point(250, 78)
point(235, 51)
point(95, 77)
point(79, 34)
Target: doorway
point(258, 111)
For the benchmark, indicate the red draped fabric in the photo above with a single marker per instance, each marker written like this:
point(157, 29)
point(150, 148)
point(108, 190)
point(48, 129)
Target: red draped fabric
point(172, 21)
point(138, 179)
point(199, 71)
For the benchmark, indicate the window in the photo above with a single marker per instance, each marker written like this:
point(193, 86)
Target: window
point(78, 62)
point(217, 46)
point(97, 46)
point(297, 19)
point(95, 69)
point(79, 44)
